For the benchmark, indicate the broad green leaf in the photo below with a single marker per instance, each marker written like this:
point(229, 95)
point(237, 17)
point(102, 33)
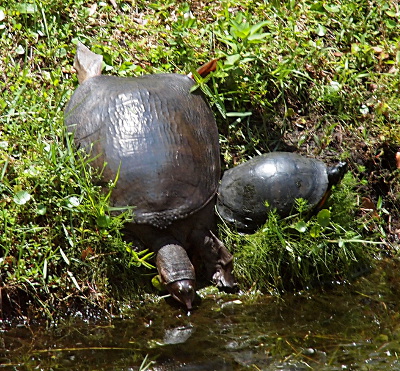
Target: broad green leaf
point(41, 209)
point(290, 112)
point(257, 26)
point(72, 202)
point(239, 29)
point(232, 59)
point(246, 60)
point(301, 226)
point(259, 37)
point(156, 282)
point(239, 34)
point(315, 230)
point(242, 26)
point(22, 197)
point(355, 48)
point(20, 50)
point(332, 8)
point(318, 7)
point(26, 8)
point(321, 30)
point(324, 217)
point(390, 23)
point(390, 13)
point(103, 221)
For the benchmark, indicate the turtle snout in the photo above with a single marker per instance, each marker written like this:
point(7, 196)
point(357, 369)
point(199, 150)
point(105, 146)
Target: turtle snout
point(183, 291)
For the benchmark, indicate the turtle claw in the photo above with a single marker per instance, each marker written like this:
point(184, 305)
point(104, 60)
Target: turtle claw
point(225, 280)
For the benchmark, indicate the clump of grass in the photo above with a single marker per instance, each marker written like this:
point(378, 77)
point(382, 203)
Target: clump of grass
point(61, 248)
point(298, 252)
point(59, 242)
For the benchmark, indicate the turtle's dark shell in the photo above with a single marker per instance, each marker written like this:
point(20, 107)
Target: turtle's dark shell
point(276, 178)
point(161, 138)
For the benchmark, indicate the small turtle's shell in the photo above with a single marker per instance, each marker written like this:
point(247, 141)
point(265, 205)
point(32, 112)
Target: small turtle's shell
point(156, 136)
point(277, 178)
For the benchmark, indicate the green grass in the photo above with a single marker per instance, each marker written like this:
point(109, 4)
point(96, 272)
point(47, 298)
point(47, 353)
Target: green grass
point(318, 78)
point(299, 252)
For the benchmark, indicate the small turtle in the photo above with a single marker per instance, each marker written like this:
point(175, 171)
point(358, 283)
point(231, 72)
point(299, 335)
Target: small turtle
point(161, 140)
point(278, 179)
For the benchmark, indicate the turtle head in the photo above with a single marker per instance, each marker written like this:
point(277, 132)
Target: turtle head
point(183, 291)
point(336, 173)
point(335, 176)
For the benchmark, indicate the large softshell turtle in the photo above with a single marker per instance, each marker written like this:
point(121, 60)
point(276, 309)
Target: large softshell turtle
point(162, 142)
point(276, 178)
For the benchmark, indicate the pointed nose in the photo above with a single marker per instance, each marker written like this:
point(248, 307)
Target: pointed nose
point(183, 291)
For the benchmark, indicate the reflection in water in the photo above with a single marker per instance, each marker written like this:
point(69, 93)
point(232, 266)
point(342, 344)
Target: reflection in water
point(354, 326)
point(178, 335)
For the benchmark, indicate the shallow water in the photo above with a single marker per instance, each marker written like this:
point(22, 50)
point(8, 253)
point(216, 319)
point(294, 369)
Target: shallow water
point(348, 327)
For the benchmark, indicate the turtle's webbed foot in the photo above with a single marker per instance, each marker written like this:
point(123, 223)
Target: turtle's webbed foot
point(225, 280)
point(223, 277)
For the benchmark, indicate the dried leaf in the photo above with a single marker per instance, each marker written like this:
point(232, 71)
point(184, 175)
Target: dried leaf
point(87, 252)
point(367, 204)
point(205, 69)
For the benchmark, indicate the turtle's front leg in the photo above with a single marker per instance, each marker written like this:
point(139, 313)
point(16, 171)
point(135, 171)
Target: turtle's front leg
point(223, 276)
point(214, 258)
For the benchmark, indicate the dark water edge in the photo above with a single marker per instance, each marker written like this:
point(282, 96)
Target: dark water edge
point(348, 327)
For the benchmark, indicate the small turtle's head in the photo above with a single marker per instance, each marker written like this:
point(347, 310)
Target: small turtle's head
point(183, 291)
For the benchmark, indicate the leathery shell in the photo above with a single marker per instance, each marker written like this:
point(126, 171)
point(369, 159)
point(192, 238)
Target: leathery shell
point(160, 139)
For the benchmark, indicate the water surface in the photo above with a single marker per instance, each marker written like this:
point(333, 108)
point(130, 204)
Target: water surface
point(347, 327)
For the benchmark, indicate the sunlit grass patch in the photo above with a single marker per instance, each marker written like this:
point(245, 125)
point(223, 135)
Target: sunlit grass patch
point(59, 242)
point(321, 79)
point(299, 252)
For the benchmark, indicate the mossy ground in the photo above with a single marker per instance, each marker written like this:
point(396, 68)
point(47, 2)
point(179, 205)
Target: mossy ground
point(317, 78)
